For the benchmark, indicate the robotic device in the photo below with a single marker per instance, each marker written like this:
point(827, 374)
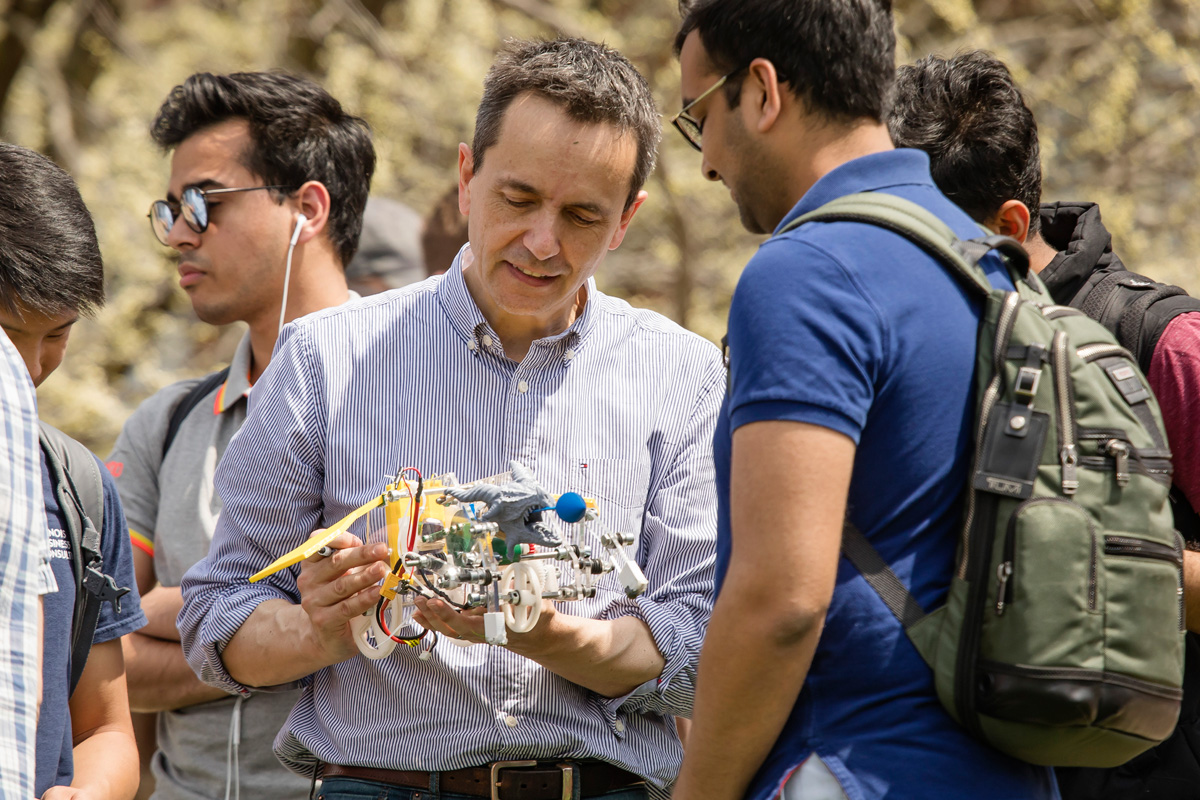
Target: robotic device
point(484, 544)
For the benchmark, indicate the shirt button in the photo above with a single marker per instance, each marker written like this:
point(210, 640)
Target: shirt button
point(472, 346)
point(522, 387)
point(487, 340)
point(620, 726)
point(567, 356)
point(510, 721)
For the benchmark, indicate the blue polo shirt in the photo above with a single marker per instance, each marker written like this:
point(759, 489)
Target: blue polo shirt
point(856, 329)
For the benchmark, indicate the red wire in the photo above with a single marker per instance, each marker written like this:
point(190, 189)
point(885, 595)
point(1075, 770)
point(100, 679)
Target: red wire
point(412, 522)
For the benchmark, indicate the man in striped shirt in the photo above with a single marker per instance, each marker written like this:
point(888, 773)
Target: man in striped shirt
point(512, 355)
point(24, 574)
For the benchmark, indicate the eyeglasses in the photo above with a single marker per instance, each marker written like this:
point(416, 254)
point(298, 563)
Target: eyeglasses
point(689, 126)
point(194, 208)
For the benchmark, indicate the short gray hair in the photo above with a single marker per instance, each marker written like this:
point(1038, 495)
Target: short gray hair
point(591, 82)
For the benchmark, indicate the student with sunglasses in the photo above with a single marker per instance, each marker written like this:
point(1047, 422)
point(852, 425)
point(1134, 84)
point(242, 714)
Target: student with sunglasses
point(269, 177)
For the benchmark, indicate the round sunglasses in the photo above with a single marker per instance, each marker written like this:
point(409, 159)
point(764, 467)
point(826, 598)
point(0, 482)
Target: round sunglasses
point(194, 208)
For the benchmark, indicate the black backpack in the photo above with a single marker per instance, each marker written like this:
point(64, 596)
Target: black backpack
point(80, 492)
point(1137, 309)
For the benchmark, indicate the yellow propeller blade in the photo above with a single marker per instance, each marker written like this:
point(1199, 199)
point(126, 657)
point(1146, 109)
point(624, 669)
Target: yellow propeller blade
point(311, 546)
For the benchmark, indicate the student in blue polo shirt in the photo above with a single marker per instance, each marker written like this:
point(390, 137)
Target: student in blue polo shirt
point(851, 355)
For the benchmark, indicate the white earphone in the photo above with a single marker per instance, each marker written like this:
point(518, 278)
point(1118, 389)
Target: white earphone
point(300, 220)
point(287, 275)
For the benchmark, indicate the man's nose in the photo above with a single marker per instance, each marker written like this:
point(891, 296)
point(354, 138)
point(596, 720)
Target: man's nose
point(708, 170)
point(180, 235)
point(542, 237)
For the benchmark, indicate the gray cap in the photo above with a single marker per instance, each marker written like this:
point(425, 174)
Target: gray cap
point(389, 250)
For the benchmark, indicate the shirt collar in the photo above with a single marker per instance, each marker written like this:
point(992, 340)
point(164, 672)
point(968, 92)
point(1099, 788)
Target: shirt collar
point(469, 322)
point(238, 385)
point(902, 166)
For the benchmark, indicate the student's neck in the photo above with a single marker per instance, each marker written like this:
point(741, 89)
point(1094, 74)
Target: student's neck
point(1040, 252)
point(830, 145)
point(315, 284)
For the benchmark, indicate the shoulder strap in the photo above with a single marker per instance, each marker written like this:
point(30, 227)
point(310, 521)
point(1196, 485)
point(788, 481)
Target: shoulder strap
point(79, 488)
point(189, 402)
point(866, 559)
point(922, 227)
point(1131, 307)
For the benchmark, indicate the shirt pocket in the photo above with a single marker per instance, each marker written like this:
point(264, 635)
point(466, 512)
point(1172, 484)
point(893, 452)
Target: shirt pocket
point(620, 487)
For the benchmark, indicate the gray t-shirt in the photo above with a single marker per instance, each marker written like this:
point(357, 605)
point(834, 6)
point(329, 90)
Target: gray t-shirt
point(172, 509)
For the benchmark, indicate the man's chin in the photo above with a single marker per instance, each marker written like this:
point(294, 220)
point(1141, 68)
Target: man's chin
point(213, 314)
point(750, 222)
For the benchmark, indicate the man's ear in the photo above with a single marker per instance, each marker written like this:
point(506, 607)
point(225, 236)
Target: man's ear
point(466, 171)
point(1012, 219)
point(762, 79)
point(626, 218)
point(314, 204)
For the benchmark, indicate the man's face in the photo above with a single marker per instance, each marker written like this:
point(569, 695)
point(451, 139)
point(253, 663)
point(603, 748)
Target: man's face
point(40, 339)
point(234, 270)
point(544, 208)
point(730, 154)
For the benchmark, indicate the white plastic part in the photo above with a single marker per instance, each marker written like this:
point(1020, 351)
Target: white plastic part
point(366, 629)
point(526, 580)
point(493, 628)
point(633, 579)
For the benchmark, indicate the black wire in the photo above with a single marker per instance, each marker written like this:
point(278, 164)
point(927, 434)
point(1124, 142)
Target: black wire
point(439, 592)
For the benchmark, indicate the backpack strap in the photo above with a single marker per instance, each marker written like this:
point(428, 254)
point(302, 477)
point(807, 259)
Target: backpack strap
point(189, 402)
point(1131, 306)
point(879, 575)
point(925, 229)
point(79, 489)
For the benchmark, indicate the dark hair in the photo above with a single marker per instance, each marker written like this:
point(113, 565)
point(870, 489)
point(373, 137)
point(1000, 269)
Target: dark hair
point(838, 56)
point(969, 116)
point(298, 133)
point(591, 82)
point(49, 257)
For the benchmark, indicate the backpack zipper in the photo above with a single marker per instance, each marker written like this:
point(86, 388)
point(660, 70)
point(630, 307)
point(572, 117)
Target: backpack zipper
point(974, 571)
point(1004, 326)
point(1068, 453)
point(1141, 548)
point(1092, 352)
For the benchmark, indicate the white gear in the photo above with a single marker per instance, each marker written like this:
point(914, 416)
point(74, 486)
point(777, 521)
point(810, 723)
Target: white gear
point(525, 579)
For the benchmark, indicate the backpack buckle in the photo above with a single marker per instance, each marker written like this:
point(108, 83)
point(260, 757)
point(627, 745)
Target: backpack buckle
point(1026, 386)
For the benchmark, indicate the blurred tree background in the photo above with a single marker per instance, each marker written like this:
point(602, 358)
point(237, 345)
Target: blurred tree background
point(1113, 85)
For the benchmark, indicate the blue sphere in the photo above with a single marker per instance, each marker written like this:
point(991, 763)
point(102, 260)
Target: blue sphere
point(570, 507)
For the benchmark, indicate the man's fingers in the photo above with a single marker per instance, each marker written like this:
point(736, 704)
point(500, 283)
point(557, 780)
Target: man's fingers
point(355, 580)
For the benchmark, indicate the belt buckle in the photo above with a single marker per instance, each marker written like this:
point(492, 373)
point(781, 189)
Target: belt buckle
point(568, 773)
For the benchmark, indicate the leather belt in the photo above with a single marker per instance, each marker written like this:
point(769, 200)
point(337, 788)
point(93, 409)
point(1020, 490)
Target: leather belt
point(505, 780)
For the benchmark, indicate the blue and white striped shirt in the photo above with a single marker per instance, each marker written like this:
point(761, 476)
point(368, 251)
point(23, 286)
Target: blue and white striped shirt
point(24, 574)
point(621, 406)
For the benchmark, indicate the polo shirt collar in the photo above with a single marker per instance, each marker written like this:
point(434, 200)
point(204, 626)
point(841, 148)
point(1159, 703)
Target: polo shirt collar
point(238, 385)
point(466, 318)
point(899, 167)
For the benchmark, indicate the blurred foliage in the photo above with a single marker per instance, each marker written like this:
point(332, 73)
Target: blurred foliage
point(1113, 85)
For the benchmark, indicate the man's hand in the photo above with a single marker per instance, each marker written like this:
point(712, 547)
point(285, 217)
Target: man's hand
point(337, 589)
point(446, 620)
point(282, 642)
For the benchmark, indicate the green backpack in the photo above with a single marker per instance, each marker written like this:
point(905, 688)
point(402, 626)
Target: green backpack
point(1061, 640)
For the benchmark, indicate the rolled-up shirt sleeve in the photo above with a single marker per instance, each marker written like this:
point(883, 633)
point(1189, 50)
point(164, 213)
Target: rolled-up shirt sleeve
point(270, 482)
point(677, 552)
